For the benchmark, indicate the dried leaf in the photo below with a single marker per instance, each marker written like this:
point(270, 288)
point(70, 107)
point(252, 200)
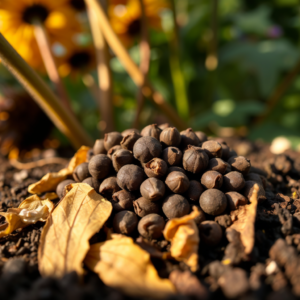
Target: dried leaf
point(184, 236)
point(49, 196)
point(243, 221)
point(65, 237)
point(122, 264)
point(30, 211)
point(50, 181)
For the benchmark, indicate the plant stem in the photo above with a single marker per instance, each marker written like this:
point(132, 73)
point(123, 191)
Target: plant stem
point(49, 62)
point(145, 53)
point(104, 73)
point(179, 85)
point(132, 69)
point(279, 91)
point(43, 95)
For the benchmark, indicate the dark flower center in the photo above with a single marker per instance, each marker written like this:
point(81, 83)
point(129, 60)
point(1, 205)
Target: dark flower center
point(35, 12)
point(78, 4)
point(134, 28)
point(79, 60)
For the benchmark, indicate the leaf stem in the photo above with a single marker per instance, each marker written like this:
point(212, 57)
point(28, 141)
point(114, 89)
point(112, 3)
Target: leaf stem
point(104, 73)
point(43, 95)
point(132, 69)
point(145, 53)
point(49, 62)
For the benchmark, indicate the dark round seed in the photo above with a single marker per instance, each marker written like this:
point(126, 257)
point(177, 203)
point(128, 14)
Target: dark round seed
point(112, 139)
point(172, 156)
point(225, 151)
point(151, 226)
point(99, 166)
point(249, 188)
point(153, 189)
point(147, 148)
point(99, 147)
point(170, 137)
point(194, 191)
point(108, 187)
point(254, 177)
point(175, 206)
point(175, 169)
point(129, 140)
point(112, 150)
point(283, 163)
point(93, 182)
point(235, 199)
point(213, 202)
point(130, 177)
point(151, 130)
point(89, 155)
point(233, 181)
point(156, 167)
point(232, 153)
point(210, 233)
point(195, 159)
point(143, 207)
point(201, 216)
point(240, 164)
point(217, 164)
point(125, 222)
point(212, 180)
point(189, 137)
point(123, 200)
point(212, 148)
point(201, 136)
point(126, 131)
point(60, 189)
point(121, 158)
point(164, 126)
point(228, 168)
point(81, 172)
point(177, 182)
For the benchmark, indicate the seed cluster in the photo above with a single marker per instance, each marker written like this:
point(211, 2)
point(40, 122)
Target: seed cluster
point(159, 174)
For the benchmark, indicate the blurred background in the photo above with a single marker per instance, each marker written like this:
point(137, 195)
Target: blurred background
point(229, 68)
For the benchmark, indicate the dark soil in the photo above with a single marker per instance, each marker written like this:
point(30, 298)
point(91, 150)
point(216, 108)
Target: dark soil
point(271, 272)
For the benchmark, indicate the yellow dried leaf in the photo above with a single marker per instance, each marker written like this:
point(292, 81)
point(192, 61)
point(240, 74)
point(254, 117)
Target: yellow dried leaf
point(243, 221)
point(184, 236)
point(30, 211)
point(50, 181)
point(49, 196)
point(122, 264)
point(65, 237)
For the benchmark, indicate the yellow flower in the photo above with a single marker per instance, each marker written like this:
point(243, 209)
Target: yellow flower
point(125, 17)
point(78, 61)
point(16, 24)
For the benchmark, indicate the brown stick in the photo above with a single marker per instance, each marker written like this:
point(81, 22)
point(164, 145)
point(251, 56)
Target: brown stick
point(279, 92)
point(49, 62)
point(39, 163)
point(145, 53)
point(104, 74)
point(132, 69)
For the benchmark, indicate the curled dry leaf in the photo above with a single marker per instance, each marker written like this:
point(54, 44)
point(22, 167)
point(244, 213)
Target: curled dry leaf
point(65, 237)
point(243, 221)
point(30, 211)
point(122, 264)
point(50, 181)
point(184, 236)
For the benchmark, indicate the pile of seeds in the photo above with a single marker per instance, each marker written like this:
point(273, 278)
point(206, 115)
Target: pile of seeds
point(159, 174)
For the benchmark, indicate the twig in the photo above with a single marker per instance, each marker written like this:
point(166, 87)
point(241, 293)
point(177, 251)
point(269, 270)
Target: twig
point(39, 163)
point(279, 92)
point(179, 84)
point(132, 69)
point(145, 53)
point(49, 62)
point(104, 74)
point(43, 95)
